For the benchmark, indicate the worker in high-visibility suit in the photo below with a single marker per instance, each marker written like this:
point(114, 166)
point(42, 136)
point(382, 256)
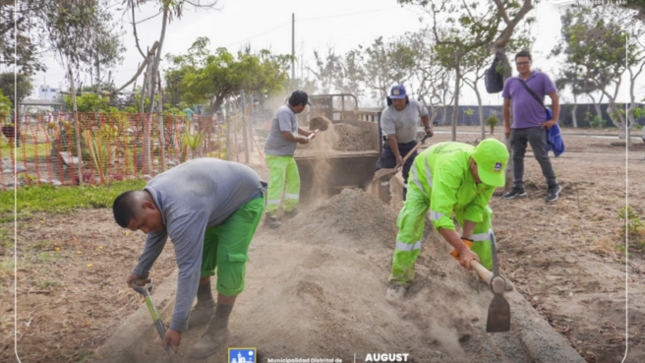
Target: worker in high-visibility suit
point(448, 178)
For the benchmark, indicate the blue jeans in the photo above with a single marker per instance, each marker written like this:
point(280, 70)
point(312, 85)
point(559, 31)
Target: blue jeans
point(388, 160)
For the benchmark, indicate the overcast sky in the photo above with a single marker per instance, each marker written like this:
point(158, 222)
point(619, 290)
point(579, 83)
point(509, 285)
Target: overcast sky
point(341, 24)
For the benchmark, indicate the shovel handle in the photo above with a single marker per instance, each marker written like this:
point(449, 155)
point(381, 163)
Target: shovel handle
point(312, 135)
point(498, 285)
point(482, 271)
point(418, 145)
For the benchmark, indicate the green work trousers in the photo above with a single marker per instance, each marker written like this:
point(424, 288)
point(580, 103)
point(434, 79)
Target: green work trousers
point(226, 247)
point(411, 222)
point(284, 179)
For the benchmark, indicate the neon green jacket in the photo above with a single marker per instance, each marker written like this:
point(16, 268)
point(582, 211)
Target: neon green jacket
point(443, 174)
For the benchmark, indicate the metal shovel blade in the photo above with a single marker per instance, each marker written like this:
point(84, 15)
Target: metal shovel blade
point(499, 311)
point(499, 315)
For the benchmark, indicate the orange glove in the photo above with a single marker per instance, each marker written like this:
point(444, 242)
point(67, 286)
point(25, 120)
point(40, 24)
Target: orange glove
point(468, 242)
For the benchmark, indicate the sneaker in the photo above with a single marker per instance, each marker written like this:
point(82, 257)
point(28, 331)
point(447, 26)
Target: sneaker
point(290, 214)
point(394, 294)
point(201, 314)
point(514, 193)
point(272, 221)
point(552, 194)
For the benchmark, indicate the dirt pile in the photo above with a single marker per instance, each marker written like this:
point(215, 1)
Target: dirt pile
point(338, 137)
point(352, 138)
point(352, 213)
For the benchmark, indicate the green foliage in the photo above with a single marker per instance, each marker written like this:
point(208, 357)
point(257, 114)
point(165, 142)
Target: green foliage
point(46, 198)
point(595, 121)
point(12, 85)
point(101, 148)
point(633, 227)
point(5, 109)
point(193, 140)
point(88, 102)
point(492, 121)
point(204, 77)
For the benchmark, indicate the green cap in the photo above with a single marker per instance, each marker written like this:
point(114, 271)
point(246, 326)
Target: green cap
point(491, 157)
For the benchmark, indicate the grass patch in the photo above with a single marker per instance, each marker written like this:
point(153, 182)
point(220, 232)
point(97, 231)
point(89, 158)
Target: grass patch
point(39, 245)
point(31, 151)
point(47, 198)
point(48, 256)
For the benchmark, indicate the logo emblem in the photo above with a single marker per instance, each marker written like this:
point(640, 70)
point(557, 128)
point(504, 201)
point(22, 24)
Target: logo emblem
point(242, 355)
point(396, 92)
point(498, 167)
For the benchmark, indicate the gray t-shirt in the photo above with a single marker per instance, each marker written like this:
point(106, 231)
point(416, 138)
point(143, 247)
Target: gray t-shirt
point(194, 196)
point(283, 120)
point(403, 124)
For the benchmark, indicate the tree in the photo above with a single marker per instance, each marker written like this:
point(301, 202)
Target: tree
point(464, 29)
point(431, 78)
point(511, 13)
point(386, 64)
point(21, 83)
point(597, 49)
point(214, 77)
point(327, 70)
point(16, 34)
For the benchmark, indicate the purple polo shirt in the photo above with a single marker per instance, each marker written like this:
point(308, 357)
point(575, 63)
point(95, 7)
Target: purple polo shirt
point(527, 112)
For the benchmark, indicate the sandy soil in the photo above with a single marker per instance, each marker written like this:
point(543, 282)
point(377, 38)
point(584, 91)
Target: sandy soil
point(315, 287)
point(338, 137)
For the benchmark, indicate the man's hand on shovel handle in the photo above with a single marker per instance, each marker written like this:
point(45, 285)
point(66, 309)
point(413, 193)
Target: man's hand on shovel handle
point(466, 256)
point(462, 247)
point(173, 338)
point(134, 279)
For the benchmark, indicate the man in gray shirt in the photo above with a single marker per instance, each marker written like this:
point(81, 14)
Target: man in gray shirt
point(284, 135)
point(399, 123)
point(210, 209)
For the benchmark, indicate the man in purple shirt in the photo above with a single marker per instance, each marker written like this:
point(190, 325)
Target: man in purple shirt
point(529, 124)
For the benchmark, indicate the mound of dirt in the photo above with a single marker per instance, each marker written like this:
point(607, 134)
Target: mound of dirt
point(338, 138)
point(352, 213)
point(352, 138)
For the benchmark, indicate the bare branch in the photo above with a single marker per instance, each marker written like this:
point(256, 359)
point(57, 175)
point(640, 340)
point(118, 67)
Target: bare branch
point(134, 27)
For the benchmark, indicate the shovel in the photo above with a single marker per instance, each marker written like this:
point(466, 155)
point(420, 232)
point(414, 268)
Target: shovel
point(499, 311)
point(161, 328)
point(387, 171)
point(319, 123)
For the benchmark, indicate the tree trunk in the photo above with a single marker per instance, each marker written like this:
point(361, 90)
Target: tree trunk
point(76, 126)
point(98, 76)
point(157, 57)
point(455, 108)
point(574, 118)
point(162, 137)
point(481, 111)
point(244, 129)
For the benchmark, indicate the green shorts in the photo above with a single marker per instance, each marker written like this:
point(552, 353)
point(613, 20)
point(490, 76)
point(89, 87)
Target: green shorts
point(226, 247)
